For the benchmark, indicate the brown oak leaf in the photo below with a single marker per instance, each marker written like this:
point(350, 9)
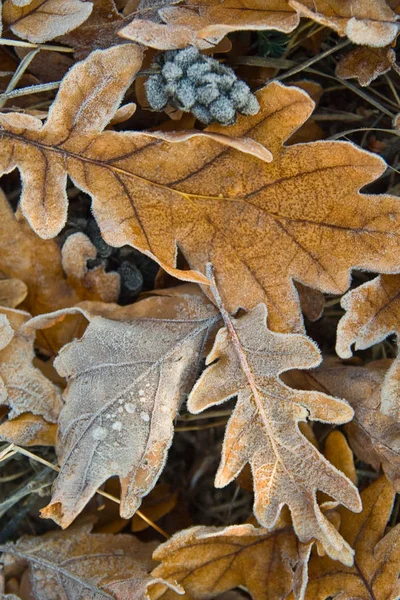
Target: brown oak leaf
point(364, 22)
point(262, 225)
point(373, 313)
point(90, 284)
point(208, 561)
point(79, 564)
point(374, 575)
point(42, 20)
point(246, 361)
point(366, 64)
point(374, 436)
point(33, 401)
point(126, 381)
point(204, 25)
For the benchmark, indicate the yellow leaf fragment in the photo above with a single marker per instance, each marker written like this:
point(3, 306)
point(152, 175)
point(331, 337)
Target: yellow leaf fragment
point(262, 225)
point(374, 575)
point(80, 564)
point(246, 361)
point(39, 21)
point(364, 22)
point(204, 25)
point(373, 313)
point(126, 381)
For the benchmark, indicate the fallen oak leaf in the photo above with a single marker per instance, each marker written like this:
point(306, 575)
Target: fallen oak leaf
point(306, 203)
point(362, 21)
point(246, 360)
point(80, 564)
point(374, 436)
point(90, 284)
point(205, 25)
point(28, 429)
point(39, 21)
point(208, 561)
point(372, 314)
point(374, 575)
point(126, 381)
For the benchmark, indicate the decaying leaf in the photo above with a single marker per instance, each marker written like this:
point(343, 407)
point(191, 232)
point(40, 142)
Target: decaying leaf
point(42, 20)
point(204, 25)
point(263, 429)
point(364, 22)
point(373, 313)
point(29, 430)
point(23, 388)
point(262, 225)
point(208, 561)
point(126, 380)
point(374, 575)
point(12, 292)
point(374, 436)
point(366, 64)
point(79, 564)
point(90, 284)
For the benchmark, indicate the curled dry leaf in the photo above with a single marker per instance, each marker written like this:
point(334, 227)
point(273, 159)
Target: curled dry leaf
point(12, 292)
point(246, 361)
point(206, 24)
point(373, 313)
point(374, 575)
point(79, 564)
point(90, 284)
point(365, 64)
point(34, 402)
point(42, 20)
point(262, 225)
point(364, 22)
point(374, 436)
point(126, 381)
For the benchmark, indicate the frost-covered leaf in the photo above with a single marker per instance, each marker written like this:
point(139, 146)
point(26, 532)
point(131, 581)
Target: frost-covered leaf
point(365, 22)
point(262, 225)
point(374, 436)
point(12, 292)
point(126, 381)
point(373, 313)
point(374, 575)
point(90, 284)
point(365, 64)
point(204, 25)
point(208, 561)
point(42, 20)
point(81, 565)
point(246, 361)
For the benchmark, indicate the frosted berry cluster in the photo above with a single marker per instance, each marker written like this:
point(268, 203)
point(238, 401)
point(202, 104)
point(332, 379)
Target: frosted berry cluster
point(201, 85)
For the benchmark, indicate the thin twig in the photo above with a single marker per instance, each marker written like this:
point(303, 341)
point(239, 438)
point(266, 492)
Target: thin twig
point(21, 44)
point(312, 61)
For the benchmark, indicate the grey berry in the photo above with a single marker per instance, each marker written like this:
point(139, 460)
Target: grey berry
point(171, 71)
point(156, 93)
point(252, 107)
point(222, 110)
point(202, 114)
point(207, 93)
point(186, 94)
point(186, 57)
point(239, 94)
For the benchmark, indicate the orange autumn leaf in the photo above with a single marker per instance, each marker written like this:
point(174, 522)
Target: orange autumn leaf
point(365, 22)
point(208, 561)
point(374, 575)
point(42, 20)
point(287, 469)
point(80, 564)
point(28, 430)
point(372, 314)
point(262, 225)
point(126, 381)
point(12, 292)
